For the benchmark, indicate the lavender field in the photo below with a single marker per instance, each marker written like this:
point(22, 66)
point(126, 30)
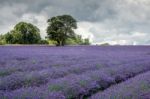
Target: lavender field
point(75, 72)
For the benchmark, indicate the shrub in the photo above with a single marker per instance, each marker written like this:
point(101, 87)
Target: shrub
point(43, 42)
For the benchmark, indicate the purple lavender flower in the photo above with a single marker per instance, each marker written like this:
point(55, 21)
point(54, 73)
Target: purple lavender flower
point(37, 72)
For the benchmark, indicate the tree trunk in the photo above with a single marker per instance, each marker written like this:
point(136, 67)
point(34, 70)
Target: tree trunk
point(63, 43)
point(58, 43)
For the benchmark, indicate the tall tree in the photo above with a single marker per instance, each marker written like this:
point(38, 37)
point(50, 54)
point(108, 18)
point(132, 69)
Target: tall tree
point(23, 33)
point(61, 28)
point(30, 33)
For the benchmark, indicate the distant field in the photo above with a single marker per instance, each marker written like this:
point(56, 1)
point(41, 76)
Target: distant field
point(74, 72)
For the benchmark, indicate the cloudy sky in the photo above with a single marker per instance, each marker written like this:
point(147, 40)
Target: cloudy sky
point(113, 21)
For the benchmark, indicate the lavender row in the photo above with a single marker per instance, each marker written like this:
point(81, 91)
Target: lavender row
point(25, 68)
point(36, 78)
point(135, 88)
point(38, 65)
point(78, 86)
point(36, 58)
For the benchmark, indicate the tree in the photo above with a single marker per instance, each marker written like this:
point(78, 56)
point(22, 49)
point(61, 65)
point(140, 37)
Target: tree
point(9, 38)
point(13, 37)
point(23, 33)
point(61, 28)
point(78, 39)
point(86, 41)
point(2, 40)
point(28, 33)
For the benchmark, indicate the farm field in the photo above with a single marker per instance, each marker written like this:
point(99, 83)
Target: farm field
point(75, 72)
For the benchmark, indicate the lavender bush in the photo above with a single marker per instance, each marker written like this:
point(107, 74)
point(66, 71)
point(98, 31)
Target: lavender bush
point(67, 72)
point(135, 88)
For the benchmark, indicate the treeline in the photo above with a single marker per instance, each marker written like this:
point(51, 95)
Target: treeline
point(60, 31)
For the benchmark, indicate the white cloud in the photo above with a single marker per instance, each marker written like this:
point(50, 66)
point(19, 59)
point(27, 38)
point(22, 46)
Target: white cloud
point(38, 20)
point(99, 34)
point(84, 30)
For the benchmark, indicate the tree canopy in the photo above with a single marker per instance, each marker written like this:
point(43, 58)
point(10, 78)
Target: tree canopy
point(61, 28)
point(60, 31)
point(23, 33)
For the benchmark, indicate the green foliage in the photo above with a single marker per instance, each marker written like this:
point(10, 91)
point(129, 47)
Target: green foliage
point(51, 42)
point(71, 41)
point(105, 44)
point(60, 32)
point(61, 28)
point(13, 37)
point(86, 41)
point(2, 40)
point(77, 40)
point(23, 33)
point(44, 42)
